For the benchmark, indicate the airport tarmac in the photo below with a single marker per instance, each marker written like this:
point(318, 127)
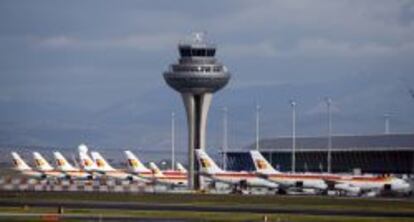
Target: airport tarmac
point(185, 207)
point(55, 217)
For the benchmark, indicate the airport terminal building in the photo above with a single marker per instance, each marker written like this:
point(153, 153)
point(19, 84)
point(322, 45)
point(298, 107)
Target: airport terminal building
point(378, 154)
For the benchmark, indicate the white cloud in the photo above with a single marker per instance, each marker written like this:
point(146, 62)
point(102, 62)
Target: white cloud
point(302, 28)
point(321, 108)
point(143, 42)
point(146, 42)
point(325, 47)
point(56, 42)
point(261, 49)
point(318, 47)
point(348, 17)
point(336, 25)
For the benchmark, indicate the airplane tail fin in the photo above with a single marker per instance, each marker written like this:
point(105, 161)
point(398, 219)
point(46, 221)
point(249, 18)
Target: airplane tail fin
point(155, 170)
point(181, 168)
point(41, 163)
point(207, 165)
point(134, 163)
point(261, 164)
point(101, 162)
point(62, 163)
point(19, 163)
point(86, 161)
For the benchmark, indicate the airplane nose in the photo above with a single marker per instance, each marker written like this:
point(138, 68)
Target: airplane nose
point(404, 185)
point(407, 185)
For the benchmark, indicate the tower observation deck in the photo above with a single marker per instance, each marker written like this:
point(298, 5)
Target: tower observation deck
point(197, 75)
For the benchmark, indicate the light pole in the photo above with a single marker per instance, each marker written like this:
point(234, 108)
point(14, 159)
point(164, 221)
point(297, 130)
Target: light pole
point(329, 158)
point(225, 139)
point(293, 105)
point(172, 140)
point(257, 126)
point(387, 117)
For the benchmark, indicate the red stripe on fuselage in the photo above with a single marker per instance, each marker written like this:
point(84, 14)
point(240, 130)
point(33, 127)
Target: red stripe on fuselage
point(331, 177)
point(235, 175)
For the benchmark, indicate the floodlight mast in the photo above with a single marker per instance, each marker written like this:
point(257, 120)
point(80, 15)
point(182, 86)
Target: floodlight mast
point(173, 141)
point(387, 117)
point(197, 75)
point(328, 101)
point(258, 108)
point(225, 137)
point(293, 105)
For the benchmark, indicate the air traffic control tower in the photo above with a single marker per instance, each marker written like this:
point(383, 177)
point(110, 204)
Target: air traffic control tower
point(197, 75)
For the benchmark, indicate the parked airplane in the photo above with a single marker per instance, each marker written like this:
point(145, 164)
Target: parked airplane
point(106, 169)
point(367, 183)
point(44, 167)
point(21, 166)
point(286, 180)
point(70, 171)
point(210, 169)
point(179, 171)
point(169, 178)
point(346, 183)
point(174, 178)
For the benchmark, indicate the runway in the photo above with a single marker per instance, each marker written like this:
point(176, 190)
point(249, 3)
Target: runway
point(52, 217)
point(187, 207)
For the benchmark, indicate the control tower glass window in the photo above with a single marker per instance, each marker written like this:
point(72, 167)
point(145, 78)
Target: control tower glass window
point(211, 52)
point(198, 52)
point(185, 52)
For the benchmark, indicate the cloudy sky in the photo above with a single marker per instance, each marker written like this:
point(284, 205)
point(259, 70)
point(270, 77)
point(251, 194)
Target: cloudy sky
point(91, 71)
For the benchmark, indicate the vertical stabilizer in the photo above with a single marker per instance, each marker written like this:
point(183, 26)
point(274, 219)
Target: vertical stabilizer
point(181, 168)
point(261, 164)
point(155, 170)
point(62, 163)
point(134, 163)
point(101, 162)
point(207, 165)
point(19, 163)
point(86, 162)
point(41, 162)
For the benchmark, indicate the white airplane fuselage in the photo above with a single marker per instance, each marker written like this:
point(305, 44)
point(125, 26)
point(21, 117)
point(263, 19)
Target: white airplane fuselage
point(236, 178)
point(375, 183)
point(167, 178)
point(78, 174)
point(297, 180)
point(53, 174)
point(33, 174)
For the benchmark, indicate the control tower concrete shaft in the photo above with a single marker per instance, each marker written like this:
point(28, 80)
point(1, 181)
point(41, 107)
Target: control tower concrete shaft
point(197, 75)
